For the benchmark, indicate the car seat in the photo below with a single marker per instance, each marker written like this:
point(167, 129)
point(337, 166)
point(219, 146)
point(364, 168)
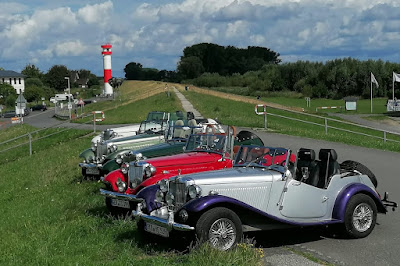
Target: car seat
point(328, 166)
point(192, 128)
point(307, 168)
point(179, 132)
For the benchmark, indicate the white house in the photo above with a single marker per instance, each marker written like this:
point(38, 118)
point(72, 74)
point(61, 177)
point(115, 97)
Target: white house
point(13, 78)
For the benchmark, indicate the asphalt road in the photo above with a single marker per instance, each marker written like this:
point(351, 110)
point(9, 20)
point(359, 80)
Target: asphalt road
point(381, 246)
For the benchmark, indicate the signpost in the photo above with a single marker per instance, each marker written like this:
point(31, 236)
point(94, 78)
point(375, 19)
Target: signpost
point(97, 119)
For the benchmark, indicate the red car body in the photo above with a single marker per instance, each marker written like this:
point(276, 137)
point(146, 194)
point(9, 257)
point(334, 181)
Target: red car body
point(203, 152)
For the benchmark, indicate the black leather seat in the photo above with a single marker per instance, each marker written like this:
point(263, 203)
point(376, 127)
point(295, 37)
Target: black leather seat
point(328, 166)
point(307, 168)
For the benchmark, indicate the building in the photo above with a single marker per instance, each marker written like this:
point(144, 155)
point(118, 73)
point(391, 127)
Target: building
point(13, 78)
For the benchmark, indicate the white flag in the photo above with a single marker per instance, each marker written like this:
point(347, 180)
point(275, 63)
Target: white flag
point(373, 80)
point(396, 77)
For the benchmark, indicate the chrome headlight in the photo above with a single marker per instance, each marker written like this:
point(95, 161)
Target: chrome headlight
point(125, 168)
point(149, 170)
point(118, 160)
point(164, 185)
point(136, 182)
point(159, 196)
point(139, 156)
point(121, 185)
point(94, 146)
point(170, 198)
point(114, 148)
point(194, 191)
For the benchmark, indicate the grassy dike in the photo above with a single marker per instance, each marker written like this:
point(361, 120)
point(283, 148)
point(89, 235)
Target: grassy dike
point(238, 113)
point(50, 216)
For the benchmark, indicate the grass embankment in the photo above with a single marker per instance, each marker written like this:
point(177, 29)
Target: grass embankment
point(51, 217)
point(293, 99)
point(135, 104)
point(238, 113)
point(38, 137)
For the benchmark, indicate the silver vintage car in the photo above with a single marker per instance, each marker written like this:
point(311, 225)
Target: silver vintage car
point(267, 189)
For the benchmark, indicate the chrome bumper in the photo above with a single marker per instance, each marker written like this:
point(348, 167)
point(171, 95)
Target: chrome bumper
point(90, 165)
point(121, 196)
point(167, 223)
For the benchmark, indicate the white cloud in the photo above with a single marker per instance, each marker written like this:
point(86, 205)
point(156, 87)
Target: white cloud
point(96, 14)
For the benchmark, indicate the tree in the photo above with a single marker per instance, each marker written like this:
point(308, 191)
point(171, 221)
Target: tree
point(55, 78)
point(133, 71)
point(190, 67)
point(93, 80)
point(34, 93)
point(31, 71)
point(8, 94)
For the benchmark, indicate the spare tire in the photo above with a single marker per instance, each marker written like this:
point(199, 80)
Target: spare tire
point(352, 165)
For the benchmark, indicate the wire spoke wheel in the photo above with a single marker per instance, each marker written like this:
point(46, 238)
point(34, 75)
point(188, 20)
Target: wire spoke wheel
point(362, 217)
point(222, 234)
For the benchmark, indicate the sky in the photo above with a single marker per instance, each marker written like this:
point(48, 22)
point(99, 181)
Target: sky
point(155, 32)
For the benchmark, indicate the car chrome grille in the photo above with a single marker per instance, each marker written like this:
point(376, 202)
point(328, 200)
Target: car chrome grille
point(135, 172)
point(179, 191)
point(101, 150)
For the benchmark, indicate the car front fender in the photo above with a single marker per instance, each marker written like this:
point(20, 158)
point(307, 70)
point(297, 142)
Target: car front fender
point(203, 203)
point(109, 167)
point(86, 154)
point(149, 195)
point(114, 155)
point(349, 191)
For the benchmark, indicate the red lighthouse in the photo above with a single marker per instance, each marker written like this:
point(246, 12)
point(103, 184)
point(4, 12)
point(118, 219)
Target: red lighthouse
point(108, 90)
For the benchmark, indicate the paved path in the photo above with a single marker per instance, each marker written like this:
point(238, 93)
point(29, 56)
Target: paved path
point(187, 106)
point(393, 126)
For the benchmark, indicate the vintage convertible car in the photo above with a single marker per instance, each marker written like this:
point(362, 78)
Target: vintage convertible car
point(150, 132)
point(132, 130)
point(175, 141)
point(203, 152)
point(263, 194)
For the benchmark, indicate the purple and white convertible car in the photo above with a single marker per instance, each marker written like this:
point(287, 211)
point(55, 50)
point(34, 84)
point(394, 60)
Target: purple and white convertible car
point(259, 194)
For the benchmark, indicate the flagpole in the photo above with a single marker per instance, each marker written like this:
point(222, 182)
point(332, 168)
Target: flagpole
point(393, 86)
point(371, 92)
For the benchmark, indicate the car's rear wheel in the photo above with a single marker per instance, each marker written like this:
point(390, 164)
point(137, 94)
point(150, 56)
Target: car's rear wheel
point(360, 216)
point(352, 165)
point(220, 227)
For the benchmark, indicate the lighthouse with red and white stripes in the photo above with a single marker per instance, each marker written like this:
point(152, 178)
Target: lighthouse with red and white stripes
point(108, 90)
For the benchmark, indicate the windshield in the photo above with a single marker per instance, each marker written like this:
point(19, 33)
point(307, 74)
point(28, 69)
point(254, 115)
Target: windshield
point(261, 155)
point(207, 143)
point(152, 127)
point(156, 116)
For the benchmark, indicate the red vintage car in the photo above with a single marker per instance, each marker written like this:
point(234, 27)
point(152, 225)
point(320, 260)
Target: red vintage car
point(203, 152)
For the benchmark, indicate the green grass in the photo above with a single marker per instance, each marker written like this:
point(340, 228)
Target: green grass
point(134, 112)
point(242, 114)
point(52, 217)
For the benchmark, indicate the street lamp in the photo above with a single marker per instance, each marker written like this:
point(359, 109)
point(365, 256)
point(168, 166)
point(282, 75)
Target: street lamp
point(69, 98)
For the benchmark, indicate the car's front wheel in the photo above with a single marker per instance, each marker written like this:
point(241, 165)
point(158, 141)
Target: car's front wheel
point(360, 216)
point(220, 227)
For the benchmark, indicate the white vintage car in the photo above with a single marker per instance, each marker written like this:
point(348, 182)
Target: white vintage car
point(260, 194)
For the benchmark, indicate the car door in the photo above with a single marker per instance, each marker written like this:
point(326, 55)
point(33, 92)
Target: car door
point(301, 200)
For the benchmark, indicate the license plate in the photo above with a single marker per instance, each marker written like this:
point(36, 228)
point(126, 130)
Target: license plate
point(92, 171)
point(156, 229)
point(120, 203)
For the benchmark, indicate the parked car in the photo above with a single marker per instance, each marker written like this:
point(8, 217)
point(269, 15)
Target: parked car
point(9, 114)
point(149, 133)
point(39, 107)
point(203, 152)
point(263, 194)
point(175, 141)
